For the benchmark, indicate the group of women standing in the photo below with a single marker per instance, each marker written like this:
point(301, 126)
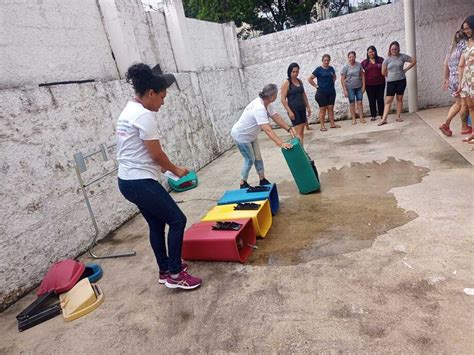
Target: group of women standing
point(459, 79)
point(371, 76)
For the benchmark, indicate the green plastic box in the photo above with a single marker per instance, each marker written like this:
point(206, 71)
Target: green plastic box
point(305, 176)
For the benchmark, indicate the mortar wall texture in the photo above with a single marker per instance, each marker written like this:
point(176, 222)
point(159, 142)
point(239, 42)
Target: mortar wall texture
point(265, 59)
point(50, 41)
point(208, 45)
point(44, 217)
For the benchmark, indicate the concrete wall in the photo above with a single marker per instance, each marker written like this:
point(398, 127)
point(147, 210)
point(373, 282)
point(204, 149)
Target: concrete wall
point(436, 23)
point(136, 35)
point(56, 40)
point(266, 58)
point(210, 47)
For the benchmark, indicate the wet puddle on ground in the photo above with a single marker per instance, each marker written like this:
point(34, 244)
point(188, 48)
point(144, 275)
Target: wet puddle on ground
point(353, 208)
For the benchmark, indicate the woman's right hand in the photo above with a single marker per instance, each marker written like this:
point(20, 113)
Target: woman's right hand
point(286, 146)
point(291, 115)
point(181, 171)
point(346, 93)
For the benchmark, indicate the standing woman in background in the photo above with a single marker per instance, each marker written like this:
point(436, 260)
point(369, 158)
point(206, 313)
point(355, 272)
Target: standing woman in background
point(374, 82)
point(353, 84)
point(451, 83)
point(392, 69)
point(466, 72)
point(295, 101)
point(325, 91)
point(140, 159)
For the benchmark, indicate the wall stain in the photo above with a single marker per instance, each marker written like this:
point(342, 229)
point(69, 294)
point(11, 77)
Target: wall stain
point(353, 208)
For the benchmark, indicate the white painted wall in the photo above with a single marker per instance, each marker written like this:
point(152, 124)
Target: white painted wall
point(54, 40)
point(210, 47)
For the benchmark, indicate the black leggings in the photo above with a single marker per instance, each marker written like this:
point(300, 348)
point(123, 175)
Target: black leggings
point(375, 93)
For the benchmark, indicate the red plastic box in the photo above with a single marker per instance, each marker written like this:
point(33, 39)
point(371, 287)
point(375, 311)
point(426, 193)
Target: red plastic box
point(201, 242)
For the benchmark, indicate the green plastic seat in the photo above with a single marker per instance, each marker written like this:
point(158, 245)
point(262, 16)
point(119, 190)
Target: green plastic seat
point(305, 176)
point(187, 182)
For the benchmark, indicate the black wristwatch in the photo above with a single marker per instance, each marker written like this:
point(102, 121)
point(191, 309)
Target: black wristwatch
point(288, 130)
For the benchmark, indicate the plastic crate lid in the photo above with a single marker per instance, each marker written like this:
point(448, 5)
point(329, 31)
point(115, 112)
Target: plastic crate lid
point(61, 276)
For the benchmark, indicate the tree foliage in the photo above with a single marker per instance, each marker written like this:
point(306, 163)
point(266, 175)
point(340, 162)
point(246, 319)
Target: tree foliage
point(265, 16)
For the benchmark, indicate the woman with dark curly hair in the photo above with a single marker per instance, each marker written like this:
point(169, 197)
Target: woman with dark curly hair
point(140, 159)
point(295, 101)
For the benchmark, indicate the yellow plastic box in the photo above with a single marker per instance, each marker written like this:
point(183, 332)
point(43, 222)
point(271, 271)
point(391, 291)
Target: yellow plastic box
point(261, 218)
point(82, 299)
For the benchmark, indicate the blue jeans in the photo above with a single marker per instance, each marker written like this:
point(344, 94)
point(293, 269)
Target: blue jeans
point(158, 209)
point(355, 94)
point(252, 155)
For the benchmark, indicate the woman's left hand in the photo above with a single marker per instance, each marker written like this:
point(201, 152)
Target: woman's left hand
point(308, 112)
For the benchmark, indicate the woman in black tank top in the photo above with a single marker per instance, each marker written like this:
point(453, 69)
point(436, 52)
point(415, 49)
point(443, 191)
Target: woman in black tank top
point(295, 101)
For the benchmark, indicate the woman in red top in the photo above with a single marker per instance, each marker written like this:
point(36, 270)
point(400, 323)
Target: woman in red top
point(374, 82)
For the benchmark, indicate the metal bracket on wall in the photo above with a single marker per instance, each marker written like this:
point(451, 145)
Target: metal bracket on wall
point(81, 167)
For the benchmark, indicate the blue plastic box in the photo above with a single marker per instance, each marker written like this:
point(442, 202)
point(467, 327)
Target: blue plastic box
point(242, 195)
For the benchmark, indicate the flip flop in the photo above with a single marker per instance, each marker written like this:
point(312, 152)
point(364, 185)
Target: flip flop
point(469, 140)
point(399, 120)
point(323, 129)
point(373, 119)
point(382, 123)
point(445, 129)
point(335, 126)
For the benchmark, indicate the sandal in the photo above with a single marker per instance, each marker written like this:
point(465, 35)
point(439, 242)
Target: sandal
point(469, 140)
point(323, 129)
point(399, 120)
point(382, 123)
point(335, 126)
point(445, 129)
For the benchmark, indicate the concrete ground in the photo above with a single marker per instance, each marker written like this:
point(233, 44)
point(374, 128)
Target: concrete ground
point(376, 262)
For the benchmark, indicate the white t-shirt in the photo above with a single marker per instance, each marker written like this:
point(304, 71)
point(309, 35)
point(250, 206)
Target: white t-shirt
point(135, 125)
point(247, 128)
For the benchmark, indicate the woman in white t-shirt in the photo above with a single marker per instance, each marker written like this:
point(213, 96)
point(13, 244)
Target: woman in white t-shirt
point(245, 131)
point(140, 158)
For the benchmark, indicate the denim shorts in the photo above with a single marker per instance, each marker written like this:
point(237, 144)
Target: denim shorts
point(355, 95)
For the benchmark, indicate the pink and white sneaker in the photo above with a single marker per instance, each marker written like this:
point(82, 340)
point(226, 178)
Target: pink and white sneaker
point(164, 275)
point(184, 281)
